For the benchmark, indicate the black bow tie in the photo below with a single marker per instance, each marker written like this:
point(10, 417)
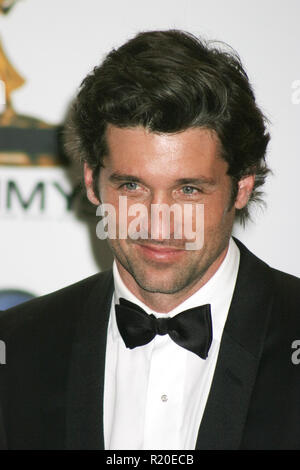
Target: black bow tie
point(191, 329)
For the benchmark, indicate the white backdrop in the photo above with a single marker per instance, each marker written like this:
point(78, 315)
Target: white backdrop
point(55, 43)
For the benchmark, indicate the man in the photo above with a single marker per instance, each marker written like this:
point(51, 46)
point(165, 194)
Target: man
point(176, 347)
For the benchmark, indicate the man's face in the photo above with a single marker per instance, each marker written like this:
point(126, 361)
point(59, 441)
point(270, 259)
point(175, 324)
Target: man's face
point(183, 168)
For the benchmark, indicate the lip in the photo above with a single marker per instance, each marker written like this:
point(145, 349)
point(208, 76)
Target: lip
point(160, 253)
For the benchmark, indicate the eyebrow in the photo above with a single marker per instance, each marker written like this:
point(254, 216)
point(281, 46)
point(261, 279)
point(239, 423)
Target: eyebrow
point(200, 180)
point(120, 177)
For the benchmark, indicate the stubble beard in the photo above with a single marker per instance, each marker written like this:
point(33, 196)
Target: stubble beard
point(172, 278)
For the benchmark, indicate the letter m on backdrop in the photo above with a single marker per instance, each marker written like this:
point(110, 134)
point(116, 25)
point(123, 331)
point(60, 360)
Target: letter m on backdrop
point(39, 189)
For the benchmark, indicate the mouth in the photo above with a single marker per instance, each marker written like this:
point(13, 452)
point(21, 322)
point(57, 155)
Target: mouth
point(160, 253)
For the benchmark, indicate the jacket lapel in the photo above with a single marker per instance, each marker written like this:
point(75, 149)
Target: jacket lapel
point(84, 420)
point(241, 345)
point(234, 378)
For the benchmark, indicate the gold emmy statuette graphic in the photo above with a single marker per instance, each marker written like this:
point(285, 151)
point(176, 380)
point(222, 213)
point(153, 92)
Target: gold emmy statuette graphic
point(24, 140)
point(12, 81)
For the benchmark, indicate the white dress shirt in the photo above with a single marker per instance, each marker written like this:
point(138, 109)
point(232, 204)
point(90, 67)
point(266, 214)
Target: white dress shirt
point(155, 395)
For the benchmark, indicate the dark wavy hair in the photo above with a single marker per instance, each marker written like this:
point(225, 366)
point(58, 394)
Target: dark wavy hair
point(169, 81)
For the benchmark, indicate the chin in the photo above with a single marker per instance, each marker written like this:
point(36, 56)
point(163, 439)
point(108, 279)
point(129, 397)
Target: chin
point(156, 281)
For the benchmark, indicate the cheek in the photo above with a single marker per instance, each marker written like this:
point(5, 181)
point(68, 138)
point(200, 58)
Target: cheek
point(130, 217)
point(216, 211)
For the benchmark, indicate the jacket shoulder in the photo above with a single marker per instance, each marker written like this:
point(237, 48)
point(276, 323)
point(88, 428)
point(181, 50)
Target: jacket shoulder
point(284, 281)
point(59, 305)
point(287, 281)
point(287, 292)
point(283, 288)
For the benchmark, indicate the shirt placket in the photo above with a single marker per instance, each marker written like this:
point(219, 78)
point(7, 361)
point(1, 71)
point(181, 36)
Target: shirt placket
point(163, 405)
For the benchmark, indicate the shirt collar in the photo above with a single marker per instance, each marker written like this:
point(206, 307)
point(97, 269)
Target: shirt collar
point(217, 292)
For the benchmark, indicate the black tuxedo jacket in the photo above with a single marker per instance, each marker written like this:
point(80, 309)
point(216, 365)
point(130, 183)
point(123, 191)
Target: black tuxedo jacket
point(52, 383)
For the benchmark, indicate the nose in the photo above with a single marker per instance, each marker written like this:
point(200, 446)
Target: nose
point(165, 217)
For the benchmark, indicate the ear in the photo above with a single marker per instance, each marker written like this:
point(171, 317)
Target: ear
point(246, 185)
point(88, 180)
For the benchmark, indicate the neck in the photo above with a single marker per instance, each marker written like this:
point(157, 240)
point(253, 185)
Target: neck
point(164, 303)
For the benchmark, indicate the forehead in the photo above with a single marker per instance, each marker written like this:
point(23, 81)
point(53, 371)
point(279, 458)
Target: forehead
point(141, 151)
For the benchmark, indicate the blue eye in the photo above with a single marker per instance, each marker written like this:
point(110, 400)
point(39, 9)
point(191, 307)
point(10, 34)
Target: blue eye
point(131, 186)
point(189, 190)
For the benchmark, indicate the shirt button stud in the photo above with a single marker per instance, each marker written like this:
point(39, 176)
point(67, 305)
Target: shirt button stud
point(164, 398)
